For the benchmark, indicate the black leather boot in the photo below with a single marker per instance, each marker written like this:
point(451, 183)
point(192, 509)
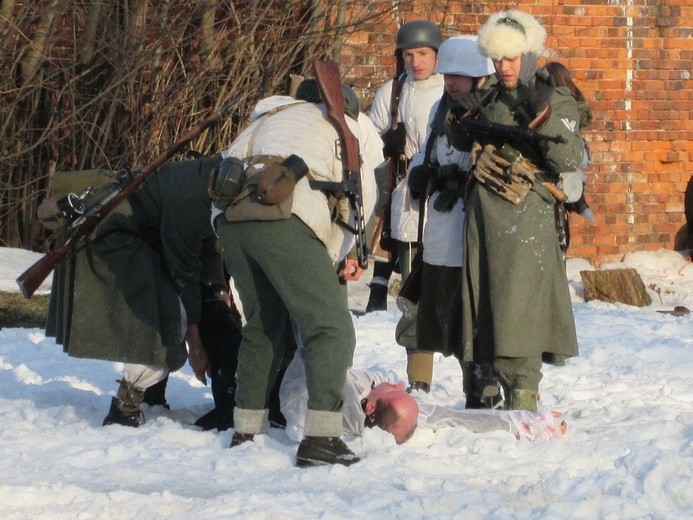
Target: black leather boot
point(377, 299)
point(125, 407)
point(320, 451)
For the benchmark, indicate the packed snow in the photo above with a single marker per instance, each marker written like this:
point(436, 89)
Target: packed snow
point(628, 451)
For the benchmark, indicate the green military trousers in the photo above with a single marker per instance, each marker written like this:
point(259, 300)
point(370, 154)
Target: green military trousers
point(282, 271)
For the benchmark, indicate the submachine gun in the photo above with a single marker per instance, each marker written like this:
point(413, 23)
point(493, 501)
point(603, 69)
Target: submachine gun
point(330, 86)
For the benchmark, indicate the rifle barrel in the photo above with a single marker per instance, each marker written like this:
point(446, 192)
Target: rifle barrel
point(31, 279)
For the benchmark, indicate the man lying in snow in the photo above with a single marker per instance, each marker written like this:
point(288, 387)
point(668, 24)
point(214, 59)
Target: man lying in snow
point(371, 400)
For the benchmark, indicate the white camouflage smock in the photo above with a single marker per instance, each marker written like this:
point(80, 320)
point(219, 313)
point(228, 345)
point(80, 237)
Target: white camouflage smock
point(415, 103)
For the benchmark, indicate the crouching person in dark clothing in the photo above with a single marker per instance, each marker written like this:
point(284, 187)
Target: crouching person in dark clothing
point(133, 292)
point(220, 331)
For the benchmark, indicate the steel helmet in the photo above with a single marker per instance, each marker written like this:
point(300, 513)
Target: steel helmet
point(308, 91)
point(460, 55)
point(419, 33)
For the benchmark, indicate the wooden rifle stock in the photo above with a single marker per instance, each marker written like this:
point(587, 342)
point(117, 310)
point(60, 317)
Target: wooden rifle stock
point(33, 277)
point(330, 86)
point(395, 166)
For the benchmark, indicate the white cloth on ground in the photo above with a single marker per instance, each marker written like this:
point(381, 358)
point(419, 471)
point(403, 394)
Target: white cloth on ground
point(293, 396)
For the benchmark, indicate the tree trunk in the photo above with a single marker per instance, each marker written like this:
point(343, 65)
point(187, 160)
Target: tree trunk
point(615, 285)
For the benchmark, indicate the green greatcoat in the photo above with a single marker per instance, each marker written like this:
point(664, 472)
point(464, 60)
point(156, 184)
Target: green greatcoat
point(515, 296)
point(119, 297)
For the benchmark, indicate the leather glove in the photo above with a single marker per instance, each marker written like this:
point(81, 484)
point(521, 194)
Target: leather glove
point(447, 198)
point(393, 141)
point(469, 102)
point(448, 172)
point(457, 136)
point(540, 96)
point(448, 177)
point(418, 180)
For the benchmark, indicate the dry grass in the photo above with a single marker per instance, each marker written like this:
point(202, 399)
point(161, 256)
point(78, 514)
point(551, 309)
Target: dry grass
point(17, 311)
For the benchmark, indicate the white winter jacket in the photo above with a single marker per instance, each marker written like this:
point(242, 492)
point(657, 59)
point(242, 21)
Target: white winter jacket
point(443, 231)
point(415, 103)
point(282, 126)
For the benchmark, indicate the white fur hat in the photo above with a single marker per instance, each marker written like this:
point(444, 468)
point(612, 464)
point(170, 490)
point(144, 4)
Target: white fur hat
point(509, 34)
point(460, 55)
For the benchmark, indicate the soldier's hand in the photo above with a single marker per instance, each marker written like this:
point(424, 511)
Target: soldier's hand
point(458, 136)
point(352, 271)
point(469, 102)
point(448, 172)
point(393, 141)
point(418, 178)
point(447, 198)
point(197, 354)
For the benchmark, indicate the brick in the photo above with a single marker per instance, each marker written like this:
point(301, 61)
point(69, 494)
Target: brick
point(642, 136)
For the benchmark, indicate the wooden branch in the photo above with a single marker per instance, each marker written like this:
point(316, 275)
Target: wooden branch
point(37, 51)
point(91, 25)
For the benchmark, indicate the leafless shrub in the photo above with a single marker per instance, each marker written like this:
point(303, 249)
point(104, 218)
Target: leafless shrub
point(101, 83)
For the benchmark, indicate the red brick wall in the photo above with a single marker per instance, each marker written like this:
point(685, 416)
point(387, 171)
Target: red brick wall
point(633, 61)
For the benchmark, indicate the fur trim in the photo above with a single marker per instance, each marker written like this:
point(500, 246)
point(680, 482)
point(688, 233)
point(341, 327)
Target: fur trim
point(252, 422)
point(321, 423)
point(500, 38)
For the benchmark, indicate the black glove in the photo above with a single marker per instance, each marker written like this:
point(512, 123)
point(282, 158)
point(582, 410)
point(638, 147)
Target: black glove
point(447, 198)
point(393, 141)
point(448, 182)
point(469, 102)
point(540, 96)
point(448, 172)
point(418, 180)
point(459, 138)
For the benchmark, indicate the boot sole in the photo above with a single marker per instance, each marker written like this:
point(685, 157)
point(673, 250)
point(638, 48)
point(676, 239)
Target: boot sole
point(312, 463)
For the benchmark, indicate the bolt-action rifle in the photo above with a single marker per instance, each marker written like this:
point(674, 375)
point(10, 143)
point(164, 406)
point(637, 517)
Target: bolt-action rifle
point(397, 168)
point(85, 223)
point(330, 86)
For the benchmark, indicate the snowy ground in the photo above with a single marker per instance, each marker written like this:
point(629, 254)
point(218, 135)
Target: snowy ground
point(628, 452)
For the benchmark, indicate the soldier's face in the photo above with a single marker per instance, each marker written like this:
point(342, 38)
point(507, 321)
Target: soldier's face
point(508, 70)
point(420, 61)
point(457, 86)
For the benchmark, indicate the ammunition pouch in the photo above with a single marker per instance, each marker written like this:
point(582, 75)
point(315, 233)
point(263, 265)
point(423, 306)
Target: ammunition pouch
point(249, 204)
point(275, 184)
point(504, 171)
point(277, 181)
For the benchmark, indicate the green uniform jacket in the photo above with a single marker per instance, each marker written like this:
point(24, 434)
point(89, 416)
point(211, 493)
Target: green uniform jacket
point(119, 298)
point(515, 296)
